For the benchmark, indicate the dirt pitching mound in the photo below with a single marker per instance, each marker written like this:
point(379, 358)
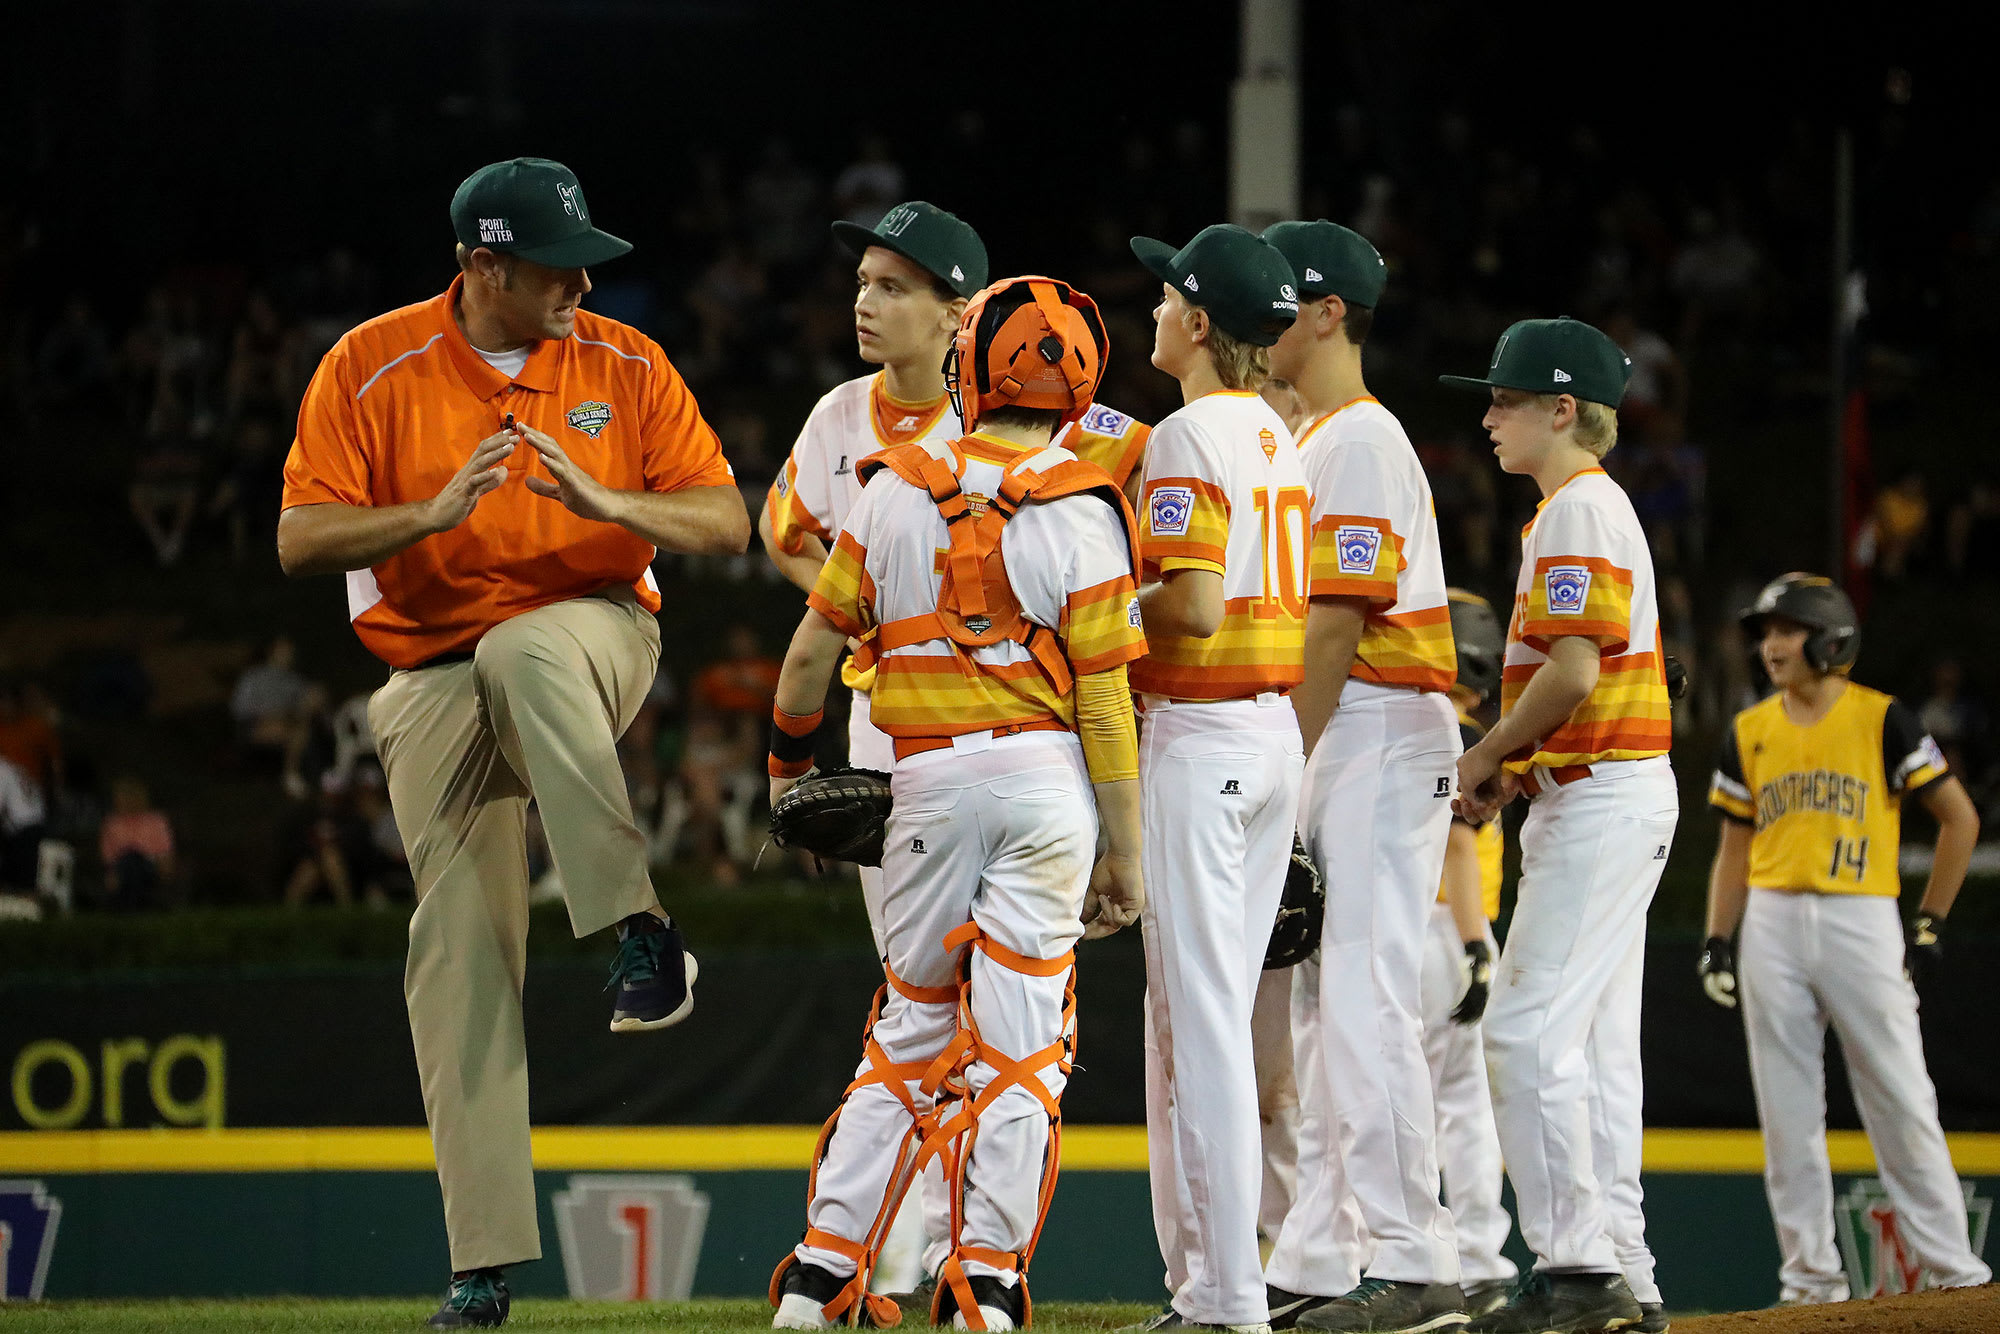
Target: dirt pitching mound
point(1958, 1311)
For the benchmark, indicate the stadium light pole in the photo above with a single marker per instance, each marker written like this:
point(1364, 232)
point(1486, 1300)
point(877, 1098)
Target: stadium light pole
point(1264, 116)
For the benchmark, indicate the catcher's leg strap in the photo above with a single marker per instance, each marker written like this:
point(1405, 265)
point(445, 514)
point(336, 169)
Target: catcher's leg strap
point(853, 1304)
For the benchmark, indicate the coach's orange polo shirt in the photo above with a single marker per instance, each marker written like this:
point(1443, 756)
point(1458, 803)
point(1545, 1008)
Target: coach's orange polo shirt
point(398, 406)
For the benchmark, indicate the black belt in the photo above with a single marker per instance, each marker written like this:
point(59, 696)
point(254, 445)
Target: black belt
point(443, 660)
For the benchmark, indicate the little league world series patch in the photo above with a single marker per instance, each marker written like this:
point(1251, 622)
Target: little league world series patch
point(1358, 545)
point(590, 417)
point(1169, 510)
point(1568, 589)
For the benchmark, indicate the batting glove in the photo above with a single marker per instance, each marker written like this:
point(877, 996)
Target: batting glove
point(1718, 971)
point(1475, 980)
point(1923, 952)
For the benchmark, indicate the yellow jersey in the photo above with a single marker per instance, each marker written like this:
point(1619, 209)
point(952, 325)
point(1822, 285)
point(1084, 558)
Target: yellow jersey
point(1825, 801)
point(1492, 843)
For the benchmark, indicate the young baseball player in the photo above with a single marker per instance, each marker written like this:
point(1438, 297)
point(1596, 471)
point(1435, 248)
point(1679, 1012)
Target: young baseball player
point(1001, 677)
point(1810, 787)
point(1458, 975)
point(1224, 543)
point(914, 273)
point(1382, 738)
point(1584, 732)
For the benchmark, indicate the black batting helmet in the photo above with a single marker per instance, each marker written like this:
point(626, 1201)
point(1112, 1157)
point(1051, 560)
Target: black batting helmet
point(1481, 643)
point(1817, 603)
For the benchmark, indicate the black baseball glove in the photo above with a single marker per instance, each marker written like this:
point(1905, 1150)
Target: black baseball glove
point(1923, 948)
point(1475, 981)
point(1301, 913)
point(838, 815)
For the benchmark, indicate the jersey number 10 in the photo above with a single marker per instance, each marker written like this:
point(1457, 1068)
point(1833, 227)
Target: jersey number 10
point(1850, 855)
point(1283, 524)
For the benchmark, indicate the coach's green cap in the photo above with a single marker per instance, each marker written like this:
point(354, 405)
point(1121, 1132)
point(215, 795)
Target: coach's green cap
point(1331, 260)
point(1241, 280)
point(533, 208)
point(1561, 356)
point(940, 243)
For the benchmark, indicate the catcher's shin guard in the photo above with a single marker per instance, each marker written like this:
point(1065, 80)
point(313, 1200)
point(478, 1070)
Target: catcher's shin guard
point(854, 1304)
point(957, 1133)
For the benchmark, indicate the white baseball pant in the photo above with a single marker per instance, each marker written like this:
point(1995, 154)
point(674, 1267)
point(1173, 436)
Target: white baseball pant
point(924, 1221)
point(1564, 1001)
point(1468, 1147)
point(1807, 960)
point(1617, 1121)
point(1000, 832)
point(1277, 1098)
point(1376, 809)
point(1312, 1257)
point(1219, 786)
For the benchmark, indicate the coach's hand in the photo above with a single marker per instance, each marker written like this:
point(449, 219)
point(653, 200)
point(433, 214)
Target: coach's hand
point(580, 493)
point(481, 473)
point(1718, 971)
point(1116, 894)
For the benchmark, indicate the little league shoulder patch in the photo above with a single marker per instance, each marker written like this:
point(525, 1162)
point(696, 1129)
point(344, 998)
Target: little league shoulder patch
point(590, 417)
point(1358, 546)
point(1568, 588)
point(1101, 420)
point(1169, 509)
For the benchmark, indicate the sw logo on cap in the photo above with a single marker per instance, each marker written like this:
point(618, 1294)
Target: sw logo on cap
point(571, 204)
point(1568, 588)
point(1169, 510)
point(590, 417)
point(897, 221)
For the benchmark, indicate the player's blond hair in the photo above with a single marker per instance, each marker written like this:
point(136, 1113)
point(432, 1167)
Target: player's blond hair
point(1596, 426)
point(1239, 365)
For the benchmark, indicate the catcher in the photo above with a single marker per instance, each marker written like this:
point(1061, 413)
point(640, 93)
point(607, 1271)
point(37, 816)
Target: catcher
point(991, 580)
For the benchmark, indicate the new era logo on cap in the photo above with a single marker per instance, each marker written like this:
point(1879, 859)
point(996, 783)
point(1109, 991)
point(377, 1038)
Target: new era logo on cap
point(1562, 376)
point(957, 274)
point(1313, 275)
point(1189, 283)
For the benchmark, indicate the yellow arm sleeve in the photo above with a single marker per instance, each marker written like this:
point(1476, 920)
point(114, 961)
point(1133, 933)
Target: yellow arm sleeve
point(1105, 723)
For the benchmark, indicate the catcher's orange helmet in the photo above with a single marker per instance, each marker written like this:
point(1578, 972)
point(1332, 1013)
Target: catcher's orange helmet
point(1028, 342)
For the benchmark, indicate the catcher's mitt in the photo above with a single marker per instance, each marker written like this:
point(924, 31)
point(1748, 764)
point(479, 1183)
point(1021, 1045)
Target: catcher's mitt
point(1301, 913)
point(838, 815)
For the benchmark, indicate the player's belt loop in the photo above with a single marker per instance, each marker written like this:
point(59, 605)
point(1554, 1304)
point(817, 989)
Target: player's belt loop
point(1543, 778)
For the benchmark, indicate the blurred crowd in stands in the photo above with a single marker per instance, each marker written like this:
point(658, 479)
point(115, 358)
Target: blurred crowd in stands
point(1707, 286)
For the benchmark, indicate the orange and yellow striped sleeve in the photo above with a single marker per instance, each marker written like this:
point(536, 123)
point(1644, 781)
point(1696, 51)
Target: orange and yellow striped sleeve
point(1186, 525)
point(1584, 596)
point(1355, 555)
point(844, 592)
point(1101, 628)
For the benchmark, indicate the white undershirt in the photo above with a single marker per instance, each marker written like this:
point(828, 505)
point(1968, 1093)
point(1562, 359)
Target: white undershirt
point(508, 364)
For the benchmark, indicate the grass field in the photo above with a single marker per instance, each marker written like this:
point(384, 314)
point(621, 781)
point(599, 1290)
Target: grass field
point(381, 1317)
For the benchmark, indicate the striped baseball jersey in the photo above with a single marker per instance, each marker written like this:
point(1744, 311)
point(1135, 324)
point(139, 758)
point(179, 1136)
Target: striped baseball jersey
point(1108, 438)
point(817, 489)
point(1225, 491)
point(1825, 801)
point(1586, 571)
point(398, 405)
point(1068, 562)
point(1375, 536)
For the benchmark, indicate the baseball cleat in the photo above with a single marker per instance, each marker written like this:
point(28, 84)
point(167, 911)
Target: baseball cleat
point(1490, 1295)
point(1168, 1318)
point(1287, 1306)
point(476, 1299)
point(803, 1295)
point(1563, 1304)
point(1383, 1306)
point(1000, 1305)
point(654, 975)
point(1652, 1319)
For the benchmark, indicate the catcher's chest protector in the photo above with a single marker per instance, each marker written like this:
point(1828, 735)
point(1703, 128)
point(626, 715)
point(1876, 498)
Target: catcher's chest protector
point(976, 604)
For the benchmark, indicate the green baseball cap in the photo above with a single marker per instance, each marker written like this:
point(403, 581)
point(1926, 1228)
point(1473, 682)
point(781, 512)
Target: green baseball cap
point(1560, 356)
point(1331, 260)
point(1241, 280)
point(940, 243)
point(533, 208)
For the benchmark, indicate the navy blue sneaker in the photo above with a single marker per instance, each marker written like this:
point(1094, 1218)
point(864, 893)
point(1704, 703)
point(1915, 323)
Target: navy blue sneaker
point(476, 1299)
point(654, 975)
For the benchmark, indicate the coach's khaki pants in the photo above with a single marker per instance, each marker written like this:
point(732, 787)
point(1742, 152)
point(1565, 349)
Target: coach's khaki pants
point(536, 712)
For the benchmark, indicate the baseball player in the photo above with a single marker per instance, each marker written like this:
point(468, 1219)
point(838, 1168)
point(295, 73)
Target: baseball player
point(1382, 739)
point(1583, 732)
point(1810, 787)
point(493, 469)
point(1458, 972)
point(1001, 677)
point(915, 271)
point(1224, 541)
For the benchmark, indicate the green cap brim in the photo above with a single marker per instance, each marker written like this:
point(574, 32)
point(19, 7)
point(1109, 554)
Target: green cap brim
point(576, 252)
point(1466, 382)
point(1155, 255)
point(857, 239)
